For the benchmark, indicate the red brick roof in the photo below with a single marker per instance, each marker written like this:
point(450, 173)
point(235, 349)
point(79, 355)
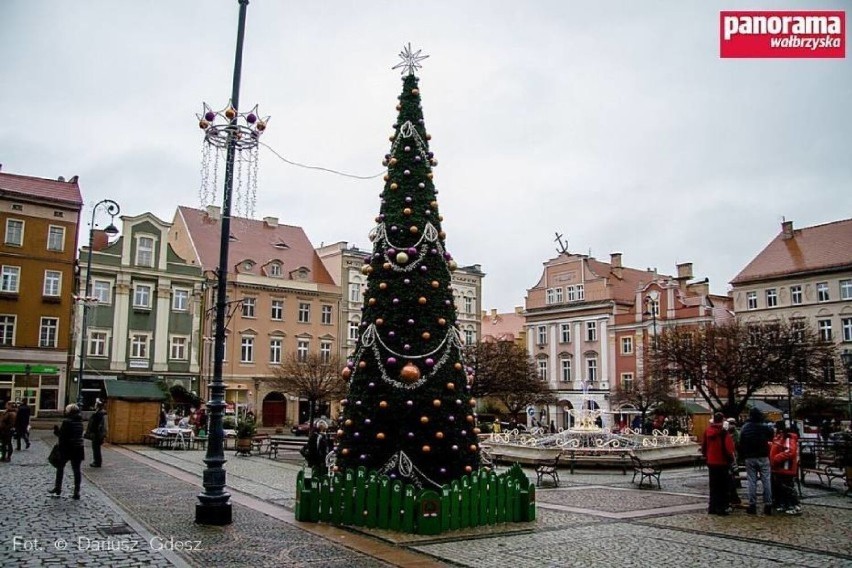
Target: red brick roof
point(810, 249)
point(64, 192)
point(502, 327)
point(256, 241)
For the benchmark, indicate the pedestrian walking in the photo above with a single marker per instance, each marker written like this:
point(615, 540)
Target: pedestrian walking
point(7, 429)
point(71, 449)
point(784, 457)
point(96, 431)
point(718, 449)
point(755, 438)
point(22, 425)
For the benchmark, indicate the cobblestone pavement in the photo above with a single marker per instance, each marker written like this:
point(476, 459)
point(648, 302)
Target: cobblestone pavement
point(593, 518)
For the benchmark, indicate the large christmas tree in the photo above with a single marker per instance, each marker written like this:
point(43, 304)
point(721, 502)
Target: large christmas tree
point(408, 413)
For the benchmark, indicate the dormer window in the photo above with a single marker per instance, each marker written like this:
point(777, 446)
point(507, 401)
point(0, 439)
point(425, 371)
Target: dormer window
point(299, 274)
point(144, 251)
point(275, 269)
point(248, 265)
point(281, 245)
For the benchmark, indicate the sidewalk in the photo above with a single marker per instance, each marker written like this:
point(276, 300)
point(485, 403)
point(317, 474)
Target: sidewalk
point(593, 518)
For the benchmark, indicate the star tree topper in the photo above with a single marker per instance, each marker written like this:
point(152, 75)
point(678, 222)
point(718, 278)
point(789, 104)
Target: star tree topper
point(410, 60)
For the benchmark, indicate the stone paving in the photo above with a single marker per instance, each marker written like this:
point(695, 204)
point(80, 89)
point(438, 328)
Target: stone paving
point(593, 518)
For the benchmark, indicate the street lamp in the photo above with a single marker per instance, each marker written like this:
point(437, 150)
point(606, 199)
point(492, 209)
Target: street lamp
point(846, 357)
point(112, 208)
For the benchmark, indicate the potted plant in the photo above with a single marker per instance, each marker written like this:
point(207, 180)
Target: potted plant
point(246, 429)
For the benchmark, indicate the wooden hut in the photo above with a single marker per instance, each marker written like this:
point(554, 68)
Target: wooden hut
point(700, 418)
point(133, 410)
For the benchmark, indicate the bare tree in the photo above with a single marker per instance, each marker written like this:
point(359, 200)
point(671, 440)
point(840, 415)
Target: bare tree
point(312, 377)
point(727, 364)
point(644, 393)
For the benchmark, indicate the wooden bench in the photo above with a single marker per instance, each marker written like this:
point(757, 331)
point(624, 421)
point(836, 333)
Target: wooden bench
point(155, 440)
point(260, 444)
point(548, 469)
point(645, 471)
point(275, 446)
point(826, 460)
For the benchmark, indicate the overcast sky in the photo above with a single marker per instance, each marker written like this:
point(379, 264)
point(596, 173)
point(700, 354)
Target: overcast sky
point(614, 123)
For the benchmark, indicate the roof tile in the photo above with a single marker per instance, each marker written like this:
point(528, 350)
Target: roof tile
point(65, 192)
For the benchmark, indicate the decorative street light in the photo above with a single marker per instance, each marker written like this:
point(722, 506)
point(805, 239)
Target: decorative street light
point(651, 307)
point(846, 357)
point(112, 208)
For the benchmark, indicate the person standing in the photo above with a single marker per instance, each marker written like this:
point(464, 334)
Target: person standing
point(71, 448)
point(755, 438)
point(718, 450)
point(318, 449)
point(22, 425)
point(784, 457)
point(7, 428)
point(730, 426)
point(96, 432)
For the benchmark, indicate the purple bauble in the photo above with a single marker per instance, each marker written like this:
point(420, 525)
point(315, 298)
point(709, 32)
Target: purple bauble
point(433, 251)
point(363, 457)
point(387, 156)
point(448, 256)
point(409, 403)
point(391, 334)
point(406, 281)
point(463, 432)
point(344, 402)
point(421, 185)
point(367, 260)
point(395, 301)
point(407, 148)
point(251, 118)
point(368, 421)
point(410, 322)
point(458, 401)
point(443, 470)
point(371, 385)
point(408, 200)
point(430, 155)
point(429, 362)
point(393, 229)
point(455, 448)
point(407, 347)
point(412, 251)
point(390, 252)
point(451, 418)
point(420, 120)
point(357, 403)
point(357, 434)
point(391, 360)
point(411, 435)
point(416, 158)
point(209, 116)
point(446, 302)
point(393, 476)
point(406, 172)
point(424, 268)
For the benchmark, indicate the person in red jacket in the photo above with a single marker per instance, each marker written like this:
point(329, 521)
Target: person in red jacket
point(784, 459)
point(718, 450)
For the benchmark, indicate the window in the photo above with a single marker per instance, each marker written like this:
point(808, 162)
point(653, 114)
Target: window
point(145, 251)
point(822, 291)
point(275, 350)
point(751, 300)
point(558, 295)
point(11, 279)
point(828, 374)
point(142, 296)
point(97, 343)
point(581, 294)
point(824, 327)
point(56, 238)
point(248, 307)
point(846, 327)
point(771, 298)
point(302, 346)
point(591, 331)
point(688, 385)
point(180, 300)
point(565, 332)
point(565, 369)
point(570, 293)
point(102, 291)
point(798, 330)
point(468, 305)
point(7, 330)
point(52, 282)
point(275, 269)
point(626, 345)
point(325, 316)
point(591, 369)
point(542, 369)
point(277, 311)
point(178, 349)
point(139, 346)
point(355, 292)
point(49, 332)
point(549, 296)
point(627, 382)
point(796, 294)
point(325, 351)
point(353, 331)
point(14, 232)
point(247, 349)
point(846, 289)
point(542, 335)
point(304, 312)
point(469, 337)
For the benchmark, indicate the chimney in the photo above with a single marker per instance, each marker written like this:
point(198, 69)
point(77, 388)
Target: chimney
point(100, 240)
point(786, 230)
point(74, 179)
point(271, 222)
point(213, 212)
point(615, 262)
point(493, 312)
point(519, 309)
point(684, 271)
point(61, 178)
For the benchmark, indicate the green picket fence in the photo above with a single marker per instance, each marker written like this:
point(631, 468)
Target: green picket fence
point(361, 498)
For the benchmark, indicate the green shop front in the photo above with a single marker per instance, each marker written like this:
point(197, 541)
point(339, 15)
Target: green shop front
point(38, 384)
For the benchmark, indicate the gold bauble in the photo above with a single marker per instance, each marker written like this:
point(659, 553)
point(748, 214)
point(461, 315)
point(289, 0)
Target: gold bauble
point(380, 436)
point(415, 91)
point(434, 205)
point(387, 266)
point(442, 321)
point(413, 229)
point(394, 186)
point(436, 403)
point(379, 321)
point(476, 430)
point(386, 177)
point(406, 211)
point(393, 161)
point(203, 124)
point(371, 302)
point(439, 435)
point(424, 420)
point(442, 234)
point(421, 300)
point(398, 107)
point(344, 451)
point(472, 402)
point(426, 335)
point(473, 447)
point(467, 468)
point(401, 257)
point(469, 418)
point(346, 373)
point(261, 126)
point(366, 269)
point(457, 366)
point(435, 284)
point(426, 449)
point(348, 422)
point(452, 265)
point(451, 386)
point(392, 137)
point(362, 364)
point(428, 137)
point(410, 373)
point(383, 404)
point(340, 432)
point(383, 285)
point(230, 113)
point(429, 175)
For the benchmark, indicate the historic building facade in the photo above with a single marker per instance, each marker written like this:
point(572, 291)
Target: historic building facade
point(40, 220)
point(143, 309)
point(281, 300)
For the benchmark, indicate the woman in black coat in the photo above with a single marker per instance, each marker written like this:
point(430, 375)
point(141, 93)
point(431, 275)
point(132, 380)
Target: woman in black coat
point(70, 435)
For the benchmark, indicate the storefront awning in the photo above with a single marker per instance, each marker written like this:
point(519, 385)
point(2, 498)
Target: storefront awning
point(133, 390)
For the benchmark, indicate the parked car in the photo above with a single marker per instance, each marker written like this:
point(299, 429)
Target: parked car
point(303, 429)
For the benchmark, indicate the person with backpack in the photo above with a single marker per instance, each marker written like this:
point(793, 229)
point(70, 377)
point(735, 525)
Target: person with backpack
point(718, 449)
point(755, 438)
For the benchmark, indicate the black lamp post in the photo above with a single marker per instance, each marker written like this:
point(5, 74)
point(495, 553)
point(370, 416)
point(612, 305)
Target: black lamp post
point(113, 209)
point(846, 357)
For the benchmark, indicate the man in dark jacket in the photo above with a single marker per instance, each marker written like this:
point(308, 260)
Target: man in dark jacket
point(96, 432)
point(22, 425)
point(70, 448)
point(718, 450)
point(318, 448)
point(7, 428)
point(755, 438)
